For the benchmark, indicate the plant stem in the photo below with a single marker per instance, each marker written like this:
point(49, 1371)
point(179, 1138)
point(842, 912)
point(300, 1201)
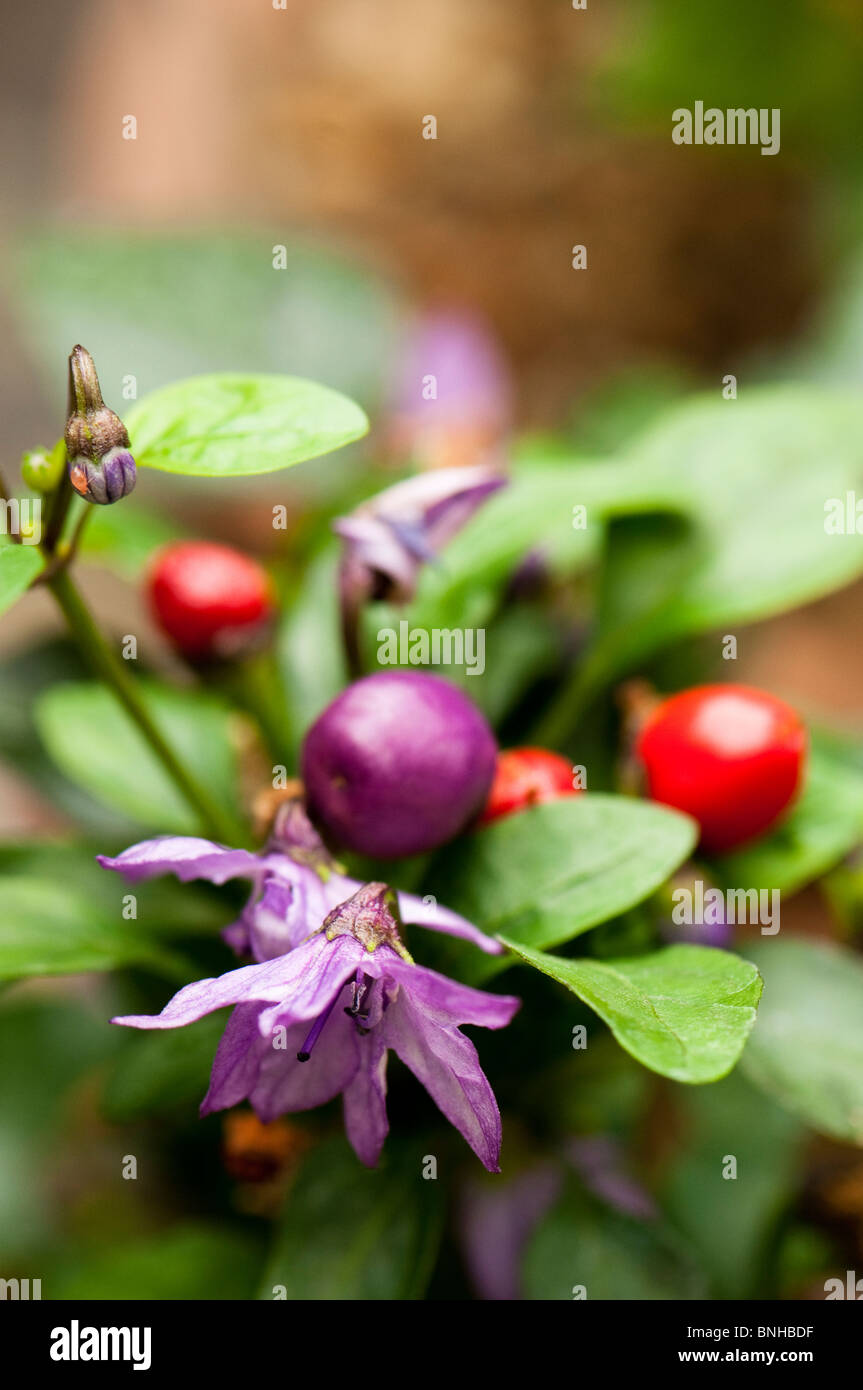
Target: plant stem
point(556, 724)
point(217, 822)
point(58, 506)
point(255, 683)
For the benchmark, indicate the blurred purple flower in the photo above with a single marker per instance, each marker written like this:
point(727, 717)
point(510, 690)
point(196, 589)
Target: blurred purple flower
point(296, 884)
point(388, 539)
point(599, 1161)
point(321, 1019)
point(691, 895)
point(497, 1223)
point(451, 400)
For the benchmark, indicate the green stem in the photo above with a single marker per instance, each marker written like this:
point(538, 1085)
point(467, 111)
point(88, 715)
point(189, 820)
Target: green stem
point(556, 725)
point(218, 823)
point(255, 683)
point(58, 506)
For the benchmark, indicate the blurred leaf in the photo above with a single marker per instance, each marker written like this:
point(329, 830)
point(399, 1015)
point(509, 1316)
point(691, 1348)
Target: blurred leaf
point(95, 743)
point(556, 870)
point(19, 565)
point(534, 512)
point(163, 1071)
point(125, 538)
point(683, 1011)
point(350, 1232)
point(742, 472)
point(807, 1047)
point(581, 1243)
point(228, 424)
point(45, 1046)
point(825, 824)
point(192, 1261)
point(24, 676)
point(671, 51)
point(533, 515)
point(158, 304)
point(165, 907)
point(744, 469)
point(48, 929)
point(309, 644)
point(730, 1221)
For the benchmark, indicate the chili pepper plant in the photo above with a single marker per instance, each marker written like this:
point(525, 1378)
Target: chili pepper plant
point(433, 913)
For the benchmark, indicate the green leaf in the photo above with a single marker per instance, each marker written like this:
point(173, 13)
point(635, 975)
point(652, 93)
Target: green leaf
point(24, 678)
point(19, 566)
point(50, 929)
point(124, 538)
point(612, 1256)
point(556, 870)
point(683, 1011)
point(350, 1232)
point(807, 1048)
point(195, 1260)
point(309, 643)
point(230, 425)
point(826, 824)
point(164, 906)
point(95, 743)
point(731, 1221)
point(163, 1071)
point(743, 471)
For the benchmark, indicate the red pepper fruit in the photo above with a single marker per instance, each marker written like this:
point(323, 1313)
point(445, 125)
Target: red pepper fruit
point(526, 777)
point(730, 756)
point(210, 600)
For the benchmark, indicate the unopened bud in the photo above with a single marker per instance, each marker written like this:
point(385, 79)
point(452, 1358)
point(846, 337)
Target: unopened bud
point(101, 468)
point(41, 469)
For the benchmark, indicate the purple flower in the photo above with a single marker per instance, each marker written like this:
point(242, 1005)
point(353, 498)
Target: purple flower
point(497, 1223)
point(388, 539)
point(451, 400)
point(296, 883)
point(321, 1019)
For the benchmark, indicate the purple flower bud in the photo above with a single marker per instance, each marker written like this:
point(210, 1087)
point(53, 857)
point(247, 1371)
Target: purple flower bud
point(398, 764)
point(388, 539)
point(101, 468)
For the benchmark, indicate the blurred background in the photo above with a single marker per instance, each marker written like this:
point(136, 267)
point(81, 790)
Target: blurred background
point(302, 127)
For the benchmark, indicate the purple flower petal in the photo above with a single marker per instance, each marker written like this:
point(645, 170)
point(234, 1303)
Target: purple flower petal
point(421, 1024)
point(446, 1063)
point(364, 1102)
point(439, 995)
point(308, 977)
point(417, 912)
point(186, 856)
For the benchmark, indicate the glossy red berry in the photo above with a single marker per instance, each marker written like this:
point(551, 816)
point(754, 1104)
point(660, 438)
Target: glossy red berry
point(210, 600)
point(730, 756)
point(525, 777)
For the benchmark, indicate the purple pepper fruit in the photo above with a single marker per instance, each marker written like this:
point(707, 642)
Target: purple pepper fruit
point(398, 764)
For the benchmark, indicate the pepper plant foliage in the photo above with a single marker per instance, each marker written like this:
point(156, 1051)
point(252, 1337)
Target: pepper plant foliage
point(563, 898)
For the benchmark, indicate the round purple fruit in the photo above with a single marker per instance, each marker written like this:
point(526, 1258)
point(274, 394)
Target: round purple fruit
point(398, 764)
